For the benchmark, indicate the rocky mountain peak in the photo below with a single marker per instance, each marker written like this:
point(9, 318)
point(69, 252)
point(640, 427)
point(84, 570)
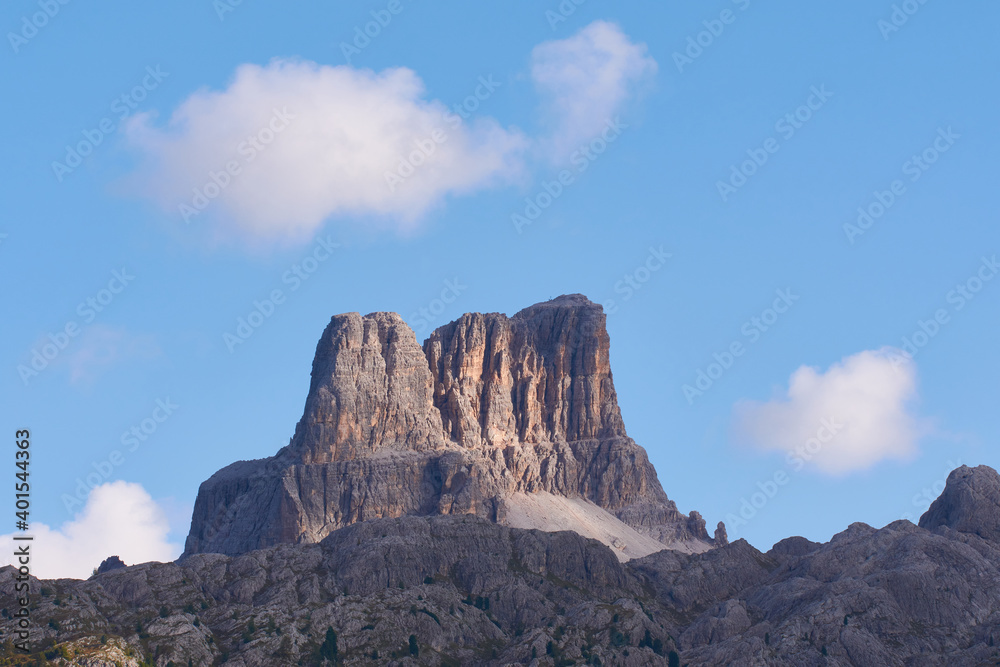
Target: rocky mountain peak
point(109, 564)
point(370, 390)
point(543, 375)
point(563, 301)
point(970, 503)
point(514, 419)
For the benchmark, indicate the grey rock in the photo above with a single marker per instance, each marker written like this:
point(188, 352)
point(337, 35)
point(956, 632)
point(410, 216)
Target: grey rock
point(970, 503)
point(692, 583)
point(488, 407)
point(896, 596)
point(110, 563)
point(721, 537)
point(792, 547)
point(475, 592)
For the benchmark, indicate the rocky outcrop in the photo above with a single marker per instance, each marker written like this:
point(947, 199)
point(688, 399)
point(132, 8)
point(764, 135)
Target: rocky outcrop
point(109, 564)
point(970, 503)
point(901, 595)
point(896, 596)
point(541, 376)
point(489, 409)
point(370, 392)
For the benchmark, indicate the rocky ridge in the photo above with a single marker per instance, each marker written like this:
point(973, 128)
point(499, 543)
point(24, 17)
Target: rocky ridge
point(456, 590)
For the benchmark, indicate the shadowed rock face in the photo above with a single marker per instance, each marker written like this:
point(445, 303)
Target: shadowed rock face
point(474, 592)
point(109, 564)
point(489, 407)
point(970, 503)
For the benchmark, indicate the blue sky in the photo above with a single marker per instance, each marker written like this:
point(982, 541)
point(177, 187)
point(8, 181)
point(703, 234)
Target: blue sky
point(167, 92)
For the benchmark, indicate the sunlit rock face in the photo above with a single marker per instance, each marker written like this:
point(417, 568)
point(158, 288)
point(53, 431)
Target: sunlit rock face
point(488, 411)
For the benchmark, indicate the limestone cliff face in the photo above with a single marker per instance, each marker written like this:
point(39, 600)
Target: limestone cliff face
point(490, 408)
point(543, 375)
point(370, 391)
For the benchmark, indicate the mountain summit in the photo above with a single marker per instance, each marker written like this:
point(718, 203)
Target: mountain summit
point(513, 419)
point(970, 503)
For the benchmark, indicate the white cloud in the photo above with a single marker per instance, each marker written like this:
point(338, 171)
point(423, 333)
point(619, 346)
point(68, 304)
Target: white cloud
point(585, 81)
point(334, 133)
point(328, 139)
point(847, 419)
point(120, 518)
point(101, 347)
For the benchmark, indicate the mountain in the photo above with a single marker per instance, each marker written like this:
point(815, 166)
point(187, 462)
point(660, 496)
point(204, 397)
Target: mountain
point(477, 501)
point(462, 590)
point(512, 419)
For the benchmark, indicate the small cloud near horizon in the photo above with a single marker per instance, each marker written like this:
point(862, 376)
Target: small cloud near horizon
point(856, 414)
point(119, 519)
